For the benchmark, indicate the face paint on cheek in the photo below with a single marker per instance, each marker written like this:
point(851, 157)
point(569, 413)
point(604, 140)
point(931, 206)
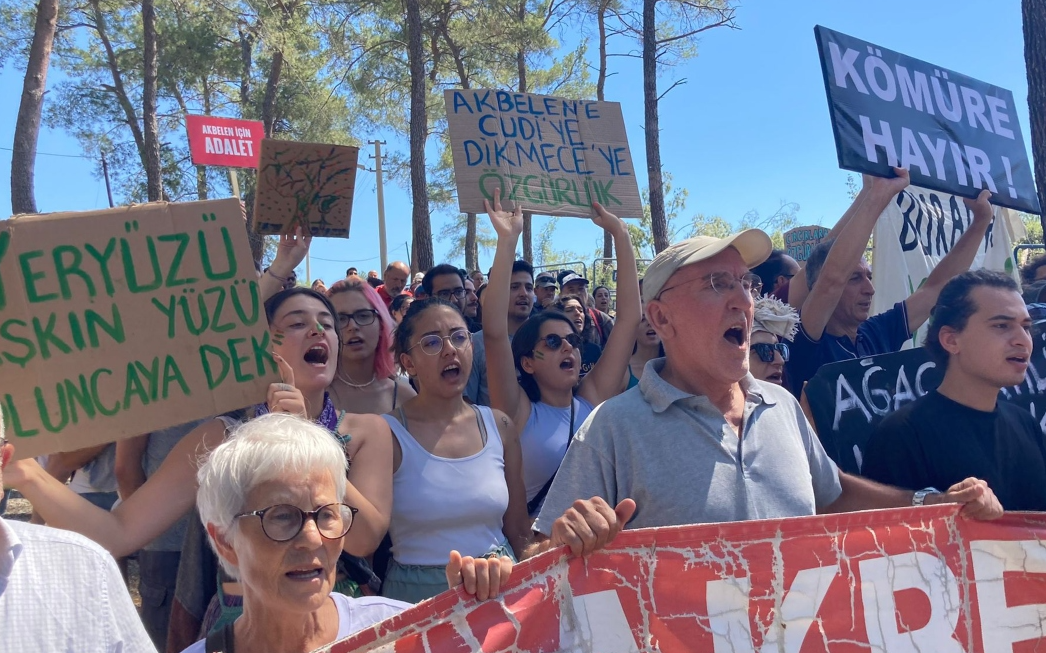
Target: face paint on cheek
point(277, 337)
point(539, 355)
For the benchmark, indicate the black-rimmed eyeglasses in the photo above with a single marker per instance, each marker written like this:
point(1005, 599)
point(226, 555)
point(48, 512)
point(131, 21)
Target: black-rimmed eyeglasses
point(456, 293)
point(362, 317)
point(283, 522)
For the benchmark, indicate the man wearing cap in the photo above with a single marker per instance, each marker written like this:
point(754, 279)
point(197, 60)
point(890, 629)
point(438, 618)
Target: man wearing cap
point(598, 324)
point(700, 440)
point(834, 291)
point(544, 291)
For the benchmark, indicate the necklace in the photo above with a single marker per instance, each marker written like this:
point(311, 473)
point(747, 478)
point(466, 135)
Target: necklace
point(347, 381)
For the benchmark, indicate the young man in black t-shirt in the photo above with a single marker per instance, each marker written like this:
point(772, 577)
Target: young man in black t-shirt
point(980, 332)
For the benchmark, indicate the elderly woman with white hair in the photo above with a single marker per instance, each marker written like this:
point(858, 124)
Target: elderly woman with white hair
point(271, 499)
point(774, 323)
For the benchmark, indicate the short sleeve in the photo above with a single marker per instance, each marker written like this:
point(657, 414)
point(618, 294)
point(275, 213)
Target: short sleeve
point(887, 331)
point(824, 474)
point(585, 472)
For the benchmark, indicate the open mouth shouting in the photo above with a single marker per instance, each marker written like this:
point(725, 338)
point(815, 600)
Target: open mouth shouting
point(737, 335)
point(317, 354)
point(451, 372)
point(568, 364)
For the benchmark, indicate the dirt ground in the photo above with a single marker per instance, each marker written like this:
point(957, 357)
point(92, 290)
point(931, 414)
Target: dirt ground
point(20, 510)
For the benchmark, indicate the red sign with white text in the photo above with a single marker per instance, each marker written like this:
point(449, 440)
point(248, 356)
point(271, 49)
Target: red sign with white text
point(225, 142)
point(911, 579)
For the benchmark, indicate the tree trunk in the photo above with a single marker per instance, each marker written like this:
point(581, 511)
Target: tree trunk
point(471, 246)
point(27, 125)
point(658, 222)
point(271, 85)
point(521, 72)
point(422, 257)
point(1035, 59)
point(601, 82)
point(151, 128)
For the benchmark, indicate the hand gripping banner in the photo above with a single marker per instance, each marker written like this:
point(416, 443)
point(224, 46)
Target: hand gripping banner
point(911, 579)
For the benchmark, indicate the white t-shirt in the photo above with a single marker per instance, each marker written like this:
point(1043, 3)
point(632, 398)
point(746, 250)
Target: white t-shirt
point(353, 615)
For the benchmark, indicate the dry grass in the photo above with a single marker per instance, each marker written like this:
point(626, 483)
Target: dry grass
point(19, 509)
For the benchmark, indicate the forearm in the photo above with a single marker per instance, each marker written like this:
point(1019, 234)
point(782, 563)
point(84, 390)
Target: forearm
point(961, 256)
point(130, 475)
point(368, 526)
point(495, 309)
point(852, 239)
point(539, 543)
point(797, 289)
point(863, 494)
point(62, 465)
point(629, 305)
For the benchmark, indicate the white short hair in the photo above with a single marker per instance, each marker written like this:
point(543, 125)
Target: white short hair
point(268, 448)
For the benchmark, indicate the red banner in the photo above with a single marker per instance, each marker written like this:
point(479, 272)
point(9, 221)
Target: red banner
point(225, 142)
point(913, 579)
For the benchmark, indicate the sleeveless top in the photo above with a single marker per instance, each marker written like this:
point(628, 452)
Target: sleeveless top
point(632, 380)
point(544, 441)
point(444, 504)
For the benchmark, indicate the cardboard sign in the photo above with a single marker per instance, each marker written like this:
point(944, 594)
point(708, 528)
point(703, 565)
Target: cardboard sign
point(848, 399)
point(911, 579)
point(552, 155)
point(305, 184)
point(953, 133)
point(224, 142)
point(799, 241)
point(118, 322)
point(916, 231)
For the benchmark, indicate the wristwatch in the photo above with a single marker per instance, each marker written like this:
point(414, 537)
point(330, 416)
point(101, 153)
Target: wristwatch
point(919, 498)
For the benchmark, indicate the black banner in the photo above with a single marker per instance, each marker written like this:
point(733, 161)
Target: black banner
point(953, 133)
point(848, 399)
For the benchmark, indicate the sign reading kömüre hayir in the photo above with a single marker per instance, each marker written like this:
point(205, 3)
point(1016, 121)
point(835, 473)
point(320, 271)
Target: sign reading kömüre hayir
point(951, 132)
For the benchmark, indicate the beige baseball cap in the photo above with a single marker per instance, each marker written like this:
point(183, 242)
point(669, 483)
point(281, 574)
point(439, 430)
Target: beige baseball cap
point(753, 244)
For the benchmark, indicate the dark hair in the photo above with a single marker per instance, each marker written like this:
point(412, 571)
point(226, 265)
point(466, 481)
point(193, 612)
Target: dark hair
point(523, 266)
point(815, 262)
point(273, 303)
point(349, 272)
point(561, 303)
point(524, 343)
point(405, 331)
point(770, 269)
point(374, 282)
point(1031, 267)
point(439, 271)
point(955, 306)
point(398, 301)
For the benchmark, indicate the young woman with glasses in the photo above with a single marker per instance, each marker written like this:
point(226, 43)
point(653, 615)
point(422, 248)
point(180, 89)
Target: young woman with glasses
point(545, 354)
point(366, 380)
point(457, 470)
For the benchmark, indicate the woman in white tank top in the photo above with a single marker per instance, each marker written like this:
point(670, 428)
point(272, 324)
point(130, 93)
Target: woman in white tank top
point(544, 355)
point(457, 479)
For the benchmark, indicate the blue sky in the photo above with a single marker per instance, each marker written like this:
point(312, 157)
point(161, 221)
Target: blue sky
point(748, 130)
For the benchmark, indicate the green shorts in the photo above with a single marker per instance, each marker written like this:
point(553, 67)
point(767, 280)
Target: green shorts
point(415, 583)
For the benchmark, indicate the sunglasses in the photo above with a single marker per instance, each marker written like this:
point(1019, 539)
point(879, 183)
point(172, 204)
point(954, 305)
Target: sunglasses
point(283, 522)
point(555, 341)
point(432, 344)
point(765, 351)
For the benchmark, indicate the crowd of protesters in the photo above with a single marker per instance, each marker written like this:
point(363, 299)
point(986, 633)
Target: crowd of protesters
point(432, 431)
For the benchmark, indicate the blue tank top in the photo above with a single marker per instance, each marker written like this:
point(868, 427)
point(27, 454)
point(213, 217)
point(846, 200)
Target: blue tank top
point(544, 441)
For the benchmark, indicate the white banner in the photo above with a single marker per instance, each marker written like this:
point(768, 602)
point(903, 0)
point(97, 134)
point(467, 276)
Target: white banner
point(916, 231)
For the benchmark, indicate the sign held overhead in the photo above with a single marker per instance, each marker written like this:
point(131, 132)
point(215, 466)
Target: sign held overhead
point(118, 322)
point(310, 185)
point(551, 155)
point(953, 133)
point(224, 142)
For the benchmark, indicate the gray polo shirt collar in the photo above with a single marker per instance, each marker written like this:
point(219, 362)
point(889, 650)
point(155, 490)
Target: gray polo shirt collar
point(661, 394)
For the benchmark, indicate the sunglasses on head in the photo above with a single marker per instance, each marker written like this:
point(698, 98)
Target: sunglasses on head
point(554, 341)
point(765, 351)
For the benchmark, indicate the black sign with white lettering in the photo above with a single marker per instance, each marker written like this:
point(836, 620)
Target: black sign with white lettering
point(952, 132)
point(848, 399)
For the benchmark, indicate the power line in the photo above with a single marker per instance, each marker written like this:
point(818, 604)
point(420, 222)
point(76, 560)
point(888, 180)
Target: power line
point(65, 156)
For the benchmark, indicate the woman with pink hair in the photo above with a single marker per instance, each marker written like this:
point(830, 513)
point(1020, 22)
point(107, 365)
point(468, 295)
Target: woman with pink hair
point(366, 380)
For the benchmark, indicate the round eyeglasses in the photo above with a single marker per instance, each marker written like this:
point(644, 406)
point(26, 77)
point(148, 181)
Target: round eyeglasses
point(554, 341)
point(432, 344)
point(362, 317)
point(724, 282)
point(456, 293)
point(283, 522)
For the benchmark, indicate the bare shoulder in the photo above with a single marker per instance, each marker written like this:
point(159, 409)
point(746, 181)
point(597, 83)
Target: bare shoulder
point(363, 426)
point(405, 389)
point(506, 426)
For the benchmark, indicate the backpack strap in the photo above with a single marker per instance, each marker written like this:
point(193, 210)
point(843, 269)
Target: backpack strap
point(220, 641)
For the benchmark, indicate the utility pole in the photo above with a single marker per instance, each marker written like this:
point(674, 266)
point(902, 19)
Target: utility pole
point(381, 204)
point(105, 173)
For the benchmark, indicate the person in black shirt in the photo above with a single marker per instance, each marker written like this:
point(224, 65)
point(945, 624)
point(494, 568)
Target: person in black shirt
point(980, 331)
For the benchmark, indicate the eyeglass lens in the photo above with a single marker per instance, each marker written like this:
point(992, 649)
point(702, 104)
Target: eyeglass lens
point(725, 282)
point(554, 341)
point(455, 292)
point(433, 344)
point(283, 522)
point(362, 317)
point(765, 351)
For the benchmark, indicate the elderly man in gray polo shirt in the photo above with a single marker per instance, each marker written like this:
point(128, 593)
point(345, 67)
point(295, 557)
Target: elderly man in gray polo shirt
point(700, 440)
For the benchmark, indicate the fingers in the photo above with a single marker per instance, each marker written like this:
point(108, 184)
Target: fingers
point(286, 372)
point(586, 527)
point(454, 570)
point(504, 570)
point(624, 512)
point(468, 574)
point(482, 567)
